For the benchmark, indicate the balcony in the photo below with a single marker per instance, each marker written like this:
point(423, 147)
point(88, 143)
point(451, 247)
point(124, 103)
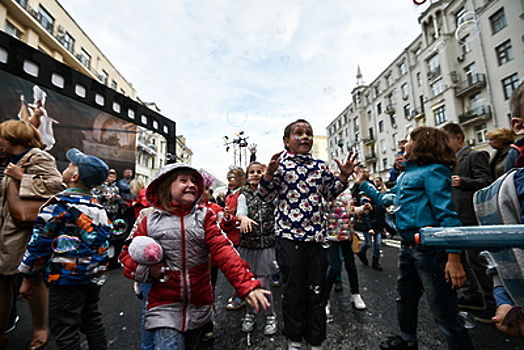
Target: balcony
point(371, 157)
point(478, 114)
point(390, 108)
point(370, 140)
point(473, 83)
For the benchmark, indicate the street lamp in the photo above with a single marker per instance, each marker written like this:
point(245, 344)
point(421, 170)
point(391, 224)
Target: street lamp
point(238, 143)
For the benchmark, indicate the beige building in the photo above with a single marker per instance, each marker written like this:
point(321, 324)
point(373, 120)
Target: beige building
point(463, 67)
point(46, 26)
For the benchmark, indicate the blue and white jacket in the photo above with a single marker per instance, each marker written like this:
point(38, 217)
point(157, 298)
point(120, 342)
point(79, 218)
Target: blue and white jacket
point(70, 239)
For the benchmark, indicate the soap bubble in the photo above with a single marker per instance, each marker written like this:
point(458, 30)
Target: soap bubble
point(119, 227)
point(237, 119)
point(65, 243)
point(440, 46)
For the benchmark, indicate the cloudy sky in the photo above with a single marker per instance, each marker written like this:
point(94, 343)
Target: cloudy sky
point(218, 67)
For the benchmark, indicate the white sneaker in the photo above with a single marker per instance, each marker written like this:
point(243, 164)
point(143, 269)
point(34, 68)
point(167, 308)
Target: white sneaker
point(316, 347)
point(328, 309)
point(294, 345)
point(356, 299)
point(271, 326)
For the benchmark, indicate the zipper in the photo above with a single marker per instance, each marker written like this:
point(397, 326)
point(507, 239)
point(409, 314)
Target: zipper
point(184, 273)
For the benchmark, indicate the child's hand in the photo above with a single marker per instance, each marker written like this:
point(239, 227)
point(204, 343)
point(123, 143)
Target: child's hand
point(367, 208)
point(27, 288)
point(155, 270)
point(454, 271)
point(348, 167)
point(360, 176)
point(227, 213)
point(272, 166)
point(257, 296)
point(513, 328)
point(245, 224)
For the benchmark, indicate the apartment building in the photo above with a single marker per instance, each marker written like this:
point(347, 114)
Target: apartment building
point(463, 68)
point(46, 26)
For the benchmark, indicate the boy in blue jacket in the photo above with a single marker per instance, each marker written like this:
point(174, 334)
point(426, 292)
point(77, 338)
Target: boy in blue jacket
point(69, 245)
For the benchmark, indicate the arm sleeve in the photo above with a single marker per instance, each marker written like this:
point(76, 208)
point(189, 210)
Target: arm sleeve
point(481, 173)
point(242, 205)
point(130, 266)
point(42, 180)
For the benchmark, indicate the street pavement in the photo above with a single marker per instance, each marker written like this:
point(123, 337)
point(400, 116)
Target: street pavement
point(350, 328)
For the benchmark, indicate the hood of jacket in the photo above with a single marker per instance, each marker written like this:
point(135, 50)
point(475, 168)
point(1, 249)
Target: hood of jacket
point(151, 194)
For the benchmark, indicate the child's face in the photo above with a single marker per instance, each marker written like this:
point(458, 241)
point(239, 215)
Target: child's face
point(234, 181)
point(255, 172)
point(69, 172)
point(300, 139)
point(111, 178)
point(184, 190)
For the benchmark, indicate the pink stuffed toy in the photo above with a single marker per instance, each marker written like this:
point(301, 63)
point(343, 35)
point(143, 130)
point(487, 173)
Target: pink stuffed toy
point(145, 250)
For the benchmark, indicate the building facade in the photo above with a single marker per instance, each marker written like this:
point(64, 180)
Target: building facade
point(463, 68)
point(46, 26)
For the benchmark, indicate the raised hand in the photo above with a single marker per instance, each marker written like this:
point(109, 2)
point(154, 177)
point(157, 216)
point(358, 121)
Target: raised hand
point(348, 167)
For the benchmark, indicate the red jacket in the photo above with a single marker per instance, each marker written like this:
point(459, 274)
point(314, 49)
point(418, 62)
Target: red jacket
point(188, 236)
point(231, 230)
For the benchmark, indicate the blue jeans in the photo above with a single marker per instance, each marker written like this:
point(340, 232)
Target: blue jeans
point(422, 270)
point(377, 240)
point(171, 339)
point(147, 336)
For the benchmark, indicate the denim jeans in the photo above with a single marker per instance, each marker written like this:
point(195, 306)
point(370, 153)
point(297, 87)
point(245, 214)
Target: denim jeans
point(171, 339)
point(147, 336)
point(422, 270)
point(377, 240)
point(335, 266)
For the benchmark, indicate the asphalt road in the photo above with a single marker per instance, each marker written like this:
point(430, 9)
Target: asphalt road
point(350, 329)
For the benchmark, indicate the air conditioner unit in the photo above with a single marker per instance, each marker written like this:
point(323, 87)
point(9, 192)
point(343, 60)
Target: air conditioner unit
point(60, 29)
point(454, 77)
point(460, 58)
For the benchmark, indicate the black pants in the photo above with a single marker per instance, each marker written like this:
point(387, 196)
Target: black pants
point(74, 309)
point(303, 268)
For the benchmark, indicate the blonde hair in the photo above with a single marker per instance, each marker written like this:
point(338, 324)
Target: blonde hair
point(503, 135)
point(135, 186)
point(19, 132)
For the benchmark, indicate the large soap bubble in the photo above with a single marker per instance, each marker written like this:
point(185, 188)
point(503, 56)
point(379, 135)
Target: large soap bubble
point(237, 118)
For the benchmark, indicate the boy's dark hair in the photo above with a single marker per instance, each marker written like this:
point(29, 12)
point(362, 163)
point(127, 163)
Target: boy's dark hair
point(287, 130)
point(163, 190)
point(431, 145)
point(515, 101)
point(454, 129)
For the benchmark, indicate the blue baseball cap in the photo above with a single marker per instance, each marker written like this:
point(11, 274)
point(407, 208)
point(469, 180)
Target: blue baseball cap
point(92, 170)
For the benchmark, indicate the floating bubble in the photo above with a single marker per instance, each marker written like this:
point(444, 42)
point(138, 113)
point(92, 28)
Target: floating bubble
point(281, 29)
point(285, 59)
point(440, 46)
point(65, 243)
point(466, 320)
point(328, 90)
point(466, 25)
point(237, 119)
point(119, 227)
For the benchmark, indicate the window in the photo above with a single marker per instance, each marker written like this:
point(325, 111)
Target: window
point(498, 21)
point(381, 126)
point(369, 116)
point(393, 119)
point(395, 138)
point(389, 80)
point(407, 110)
point(384, 163)
point(416, 54)
point(480, 133)
point(104, 77)
point(434, 65)
point(113, 84)
point(357, 137)
point(371, 134)
point(379, 108)
point(465, 45)
point(84, 58)
point(404, 89)
point(504, 52)
point(476, 103)
point(377, 90)
point(402, 68)
point(383, 146)
point(440, 115)
point(356, 124)
point(67, 40)
point(419, 79)
point(12, 30)
point(470, 72)
point(438, 87)
point(509, 84)
point(45, 19)
point(458, 15)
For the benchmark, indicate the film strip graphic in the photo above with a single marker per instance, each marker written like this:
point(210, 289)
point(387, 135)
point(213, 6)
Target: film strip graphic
point(29, 64)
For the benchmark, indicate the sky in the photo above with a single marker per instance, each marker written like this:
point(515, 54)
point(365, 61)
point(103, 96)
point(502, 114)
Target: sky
point(223, 66)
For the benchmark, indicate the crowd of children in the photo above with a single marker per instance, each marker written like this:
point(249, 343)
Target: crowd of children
point(277, 219)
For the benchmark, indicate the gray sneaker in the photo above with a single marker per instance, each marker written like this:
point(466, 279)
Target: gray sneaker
point(271, 326)
point(248, 324)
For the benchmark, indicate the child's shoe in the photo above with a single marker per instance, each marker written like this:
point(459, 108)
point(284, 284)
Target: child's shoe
point(235, 304)
point(294, 345)
point(249, 323)
point(356, 299)
point(397, 343)
point(271, 326)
